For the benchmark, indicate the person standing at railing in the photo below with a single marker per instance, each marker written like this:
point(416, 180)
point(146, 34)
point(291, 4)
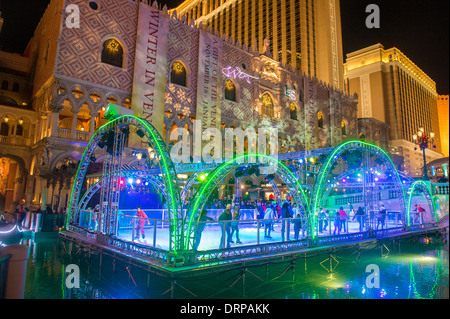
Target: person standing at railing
point(323, 220)
point(359, 215)
point(269, 215)
point(200, 227)
point(418, 210)
point(381, 216)
point(142, 217)
point(337, 223)
point(351, 210)
point(297, 226)
point(225, 217)
point(286, 223)
point(343, 217)
point(94, 218)
point(235, 225)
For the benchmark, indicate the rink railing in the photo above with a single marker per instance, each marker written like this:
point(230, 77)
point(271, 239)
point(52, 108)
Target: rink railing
point(213, 244)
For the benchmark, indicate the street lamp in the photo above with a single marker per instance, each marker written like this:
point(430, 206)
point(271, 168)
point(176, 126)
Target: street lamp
point(423, 141)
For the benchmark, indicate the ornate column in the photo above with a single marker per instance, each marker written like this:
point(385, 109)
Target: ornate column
point(55, 108)
point(74, 123)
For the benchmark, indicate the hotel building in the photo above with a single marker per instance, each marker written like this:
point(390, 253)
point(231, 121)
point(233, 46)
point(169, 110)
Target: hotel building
point(442, 105)
point(395, 91)
point(305, 34)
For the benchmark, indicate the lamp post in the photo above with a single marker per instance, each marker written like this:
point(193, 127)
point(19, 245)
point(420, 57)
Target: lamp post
point(423, 141)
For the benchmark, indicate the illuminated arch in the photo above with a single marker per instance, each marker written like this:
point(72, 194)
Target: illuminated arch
point(166, 166)
point(343, 128)
point(293, 111)
point(230, 90)
point(268, 105)
point(178, 73)
point(427, 193)
point(320, 119)
point(112, 52)
point(319, 185)
point(214, 178)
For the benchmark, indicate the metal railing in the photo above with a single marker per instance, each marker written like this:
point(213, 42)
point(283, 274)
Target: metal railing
point(440, 189)
point(220, 240)
point(149, 231)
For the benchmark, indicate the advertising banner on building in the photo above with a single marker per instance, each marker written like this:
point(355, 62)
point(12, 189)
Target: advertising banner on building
point(150, 68)
point(210, 83)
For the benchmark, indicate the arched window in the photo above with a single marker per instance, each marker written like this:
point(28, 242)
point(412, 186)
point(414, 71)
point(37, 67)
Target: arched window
point(4, 85)
point(4, 129)
point(230, 90)
point(320, 119)
point(293, 111)
point(178, 74)
point(112, 52)
point(15, 87)
point(344, 128)
point(267, 105)
point(19, 130)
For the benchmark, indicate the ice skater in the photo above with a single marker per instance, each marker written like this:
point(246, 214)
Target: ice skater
point(142, 217)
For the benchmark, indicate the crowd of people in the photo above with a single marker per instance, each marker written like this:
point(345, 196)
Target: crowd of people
point(269, 212)
point(20, 214)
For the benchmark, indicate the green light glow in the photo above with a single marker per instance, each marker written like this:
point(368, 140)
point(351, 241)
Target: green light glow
point(411, 195)
point(219, 171)
point(412, 279)
point(163, 163)
point(327, 166)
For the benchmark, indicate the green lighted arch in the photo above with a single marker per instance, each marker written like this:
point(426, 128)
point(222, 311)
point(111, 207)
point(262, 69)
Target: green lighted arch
point(319, 186)
point(165, 163)
point(220, 172)
point(429, 198)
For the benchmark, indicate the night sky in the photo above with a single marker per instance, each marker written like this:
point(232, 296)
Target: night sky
point(419, 28)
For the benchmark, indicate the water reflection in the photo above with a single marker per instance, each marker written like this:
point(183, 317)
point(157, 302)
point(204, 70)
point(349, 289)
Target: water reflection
point(408, 270)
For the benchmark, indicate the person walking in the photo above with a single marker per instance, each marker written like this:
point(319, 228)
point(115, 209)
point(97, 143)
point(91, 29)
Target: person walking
point(225, 219)
point(141, 218)
point(286, 223)
point(343, 217)
point(269, 215)
point(203, 218)
point(235, 225)
point(337, 223)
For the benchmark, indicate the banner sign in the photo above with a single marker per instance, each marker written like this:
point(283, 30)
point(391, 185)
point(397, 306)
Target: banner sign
point(150, 67)
point(210, 82)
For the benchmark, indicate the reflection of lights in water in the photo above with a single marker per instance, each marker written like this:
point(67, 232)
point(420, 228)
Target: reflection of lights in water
point(425, 259)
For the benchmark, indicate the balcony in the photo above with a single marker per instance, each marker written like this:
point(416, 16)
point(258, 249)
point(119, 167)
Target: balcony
point(15, 140)
point(68, 134)
point(440, 188)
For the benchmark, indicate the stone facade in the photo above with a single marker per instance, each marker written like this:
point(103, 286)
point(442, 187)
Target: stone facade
point(71, 85)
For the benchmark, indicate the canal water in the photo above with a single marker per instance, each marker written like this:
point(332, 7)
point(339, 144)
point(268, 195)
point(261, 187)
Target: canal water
point(407, 269)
